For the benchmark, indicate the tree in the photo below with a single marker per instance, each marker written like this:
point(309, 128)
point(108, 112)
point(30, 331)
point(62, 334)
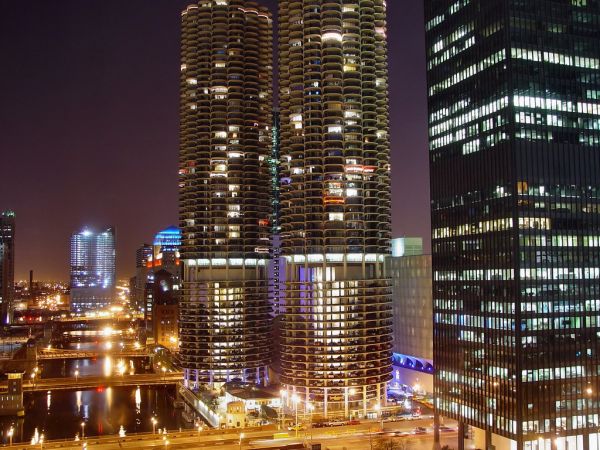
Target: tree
point(390, 443)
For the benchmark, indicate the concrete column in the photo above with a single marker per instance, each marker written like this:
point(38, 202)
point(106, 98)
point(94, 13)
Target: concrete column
point(325, 402)
point(258, 375)
point(586, 441)
point(211, 377)
point(385, 399)
point(436, 431)
point(266, 377)
point(461, 436)
point(379, 394)
point(364, 402)
point(346, 402)
point(244, 375)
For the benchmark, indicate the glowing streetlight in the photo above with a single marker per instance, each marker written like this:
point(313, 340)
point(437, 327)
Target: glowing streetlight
point(11, 432)
point(241, 437)
point(82, 430)
point(164, 371)
point(154, 422)
point(380, 413)
point(296, 400)
point(76, 374)
point(282, 396)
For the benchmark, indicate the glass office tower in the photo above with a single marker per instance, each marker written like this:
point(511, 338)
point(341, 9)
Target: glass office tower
point(92, 269)
point(224, 190)
point(514, 124)
point(7, 266)
point(336, 329)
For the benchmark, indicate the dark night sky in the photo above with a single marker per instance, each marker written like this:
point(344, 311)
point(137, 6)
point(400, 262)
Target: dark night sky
point(89, 122)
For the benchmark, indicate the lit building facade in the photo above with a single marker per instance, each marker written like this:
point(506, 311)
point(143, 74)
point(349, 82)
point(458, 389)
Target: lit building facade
point(336, 328)
point(410, 272)
point(165, 309)
point(164, 256)
point(138, 283)
point(514, 115)
point(92, 269)
point(225, 211)
point(7, 266)
point(277, 262)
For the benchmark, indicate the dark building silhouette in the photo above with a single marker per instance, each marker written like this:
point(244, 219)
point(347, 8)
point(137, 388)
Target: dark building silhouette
point(514, 124)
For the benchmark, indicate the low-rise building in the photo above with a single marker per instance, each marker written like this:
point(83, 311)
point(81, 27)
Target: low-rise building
point(411, 276)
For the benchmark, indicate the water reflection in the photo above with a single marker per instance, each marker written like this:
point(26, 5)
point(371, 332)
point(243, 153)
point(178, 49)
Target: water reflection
point(58, 415)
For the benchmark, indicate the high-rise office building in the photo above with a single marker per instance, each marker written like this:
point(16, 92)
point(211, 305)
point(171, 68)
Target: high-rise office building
point(7, 266)
point(92, 269)
point(276, 263)
point(514, 124)
point(336, 328)
point(137, 290)
point(224, 190)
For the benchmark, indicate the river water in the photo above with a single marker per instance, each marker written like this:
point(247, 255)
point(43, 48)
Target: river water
point(59, 414)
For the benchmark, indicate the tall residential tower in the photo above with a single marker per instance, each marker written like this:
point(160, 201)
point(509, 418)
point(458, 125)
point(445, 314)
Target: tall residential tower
point(224, 190)
point(336, 329)
point(514, 124)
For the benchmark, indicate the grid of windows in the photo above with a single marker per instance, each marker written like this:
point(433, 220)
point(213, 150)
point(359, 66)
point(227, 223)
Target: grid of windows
point(514, 133)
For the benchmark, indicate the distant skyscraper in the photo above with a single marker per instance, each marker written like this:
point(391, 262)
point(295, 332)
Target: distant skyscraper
point(336, 330)
point(137, 293)
point(224, 190)
point(514, 125)
point(92, 269)
point(277, 262)
point(7, 265)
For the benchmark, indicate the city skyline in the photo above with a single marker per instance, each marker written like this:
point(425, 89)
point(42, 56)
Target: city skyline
point(90, 145)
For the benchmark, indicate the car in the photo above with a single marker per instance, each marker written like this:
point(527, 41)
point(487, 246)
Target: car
point(419, 430)
point(354, 422)
point(298, 427)
point(446, 429)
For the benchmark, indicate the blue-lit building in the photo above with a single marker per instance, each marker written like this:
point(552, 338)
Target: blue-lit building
point(163, 284)
point(92, 269)
point(168, 239)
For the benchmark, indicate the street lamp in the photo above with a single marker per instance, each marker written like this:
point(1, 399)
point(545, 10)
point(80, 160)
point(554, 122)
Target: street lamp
point(11, 432)
point(380, 413)
point(309, 408)
point(82, 430)
point(76, 374)
point(33, 380)
point(295, 400)
point(241, 437)
point(154, 422)
point(164, 371)
point(282, 395)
